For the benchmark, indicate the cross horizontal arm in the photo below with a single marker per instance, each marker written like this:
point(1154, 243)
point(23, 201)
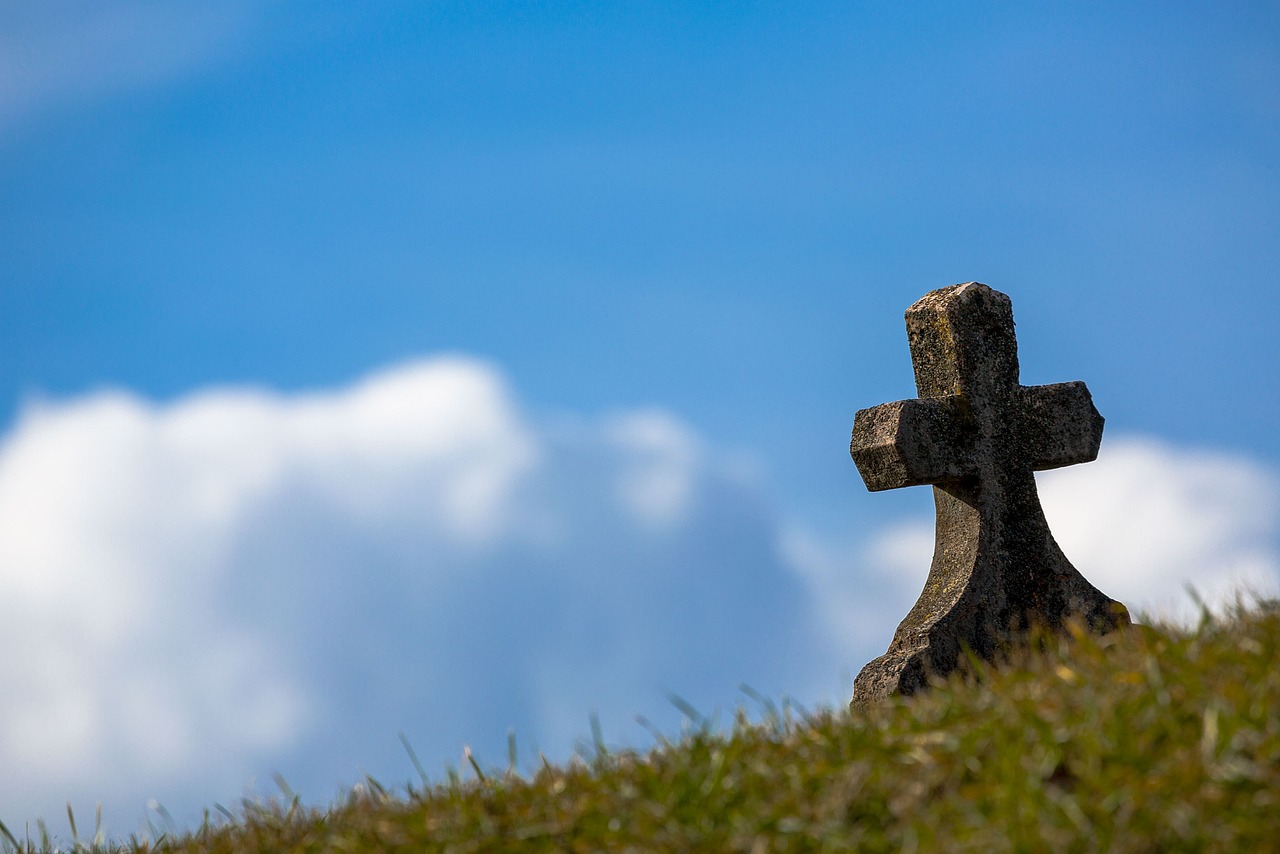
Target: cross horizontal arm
point(1062, 425)
point(911, 442)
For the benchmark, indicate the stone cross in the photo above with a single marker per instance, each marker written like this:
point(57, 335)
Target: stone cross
point(978, 436)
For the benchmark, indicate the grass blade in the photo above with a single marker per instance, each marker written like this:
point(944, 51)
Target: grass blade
point(413, 757)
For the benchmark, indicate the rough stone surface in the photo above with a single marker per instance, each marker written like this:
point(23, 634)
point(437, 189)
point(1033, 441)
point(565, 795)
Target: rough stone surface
point(978, 436)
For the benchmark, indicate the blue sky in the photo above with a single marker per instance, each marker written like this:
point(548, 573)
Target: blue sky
point(624, 250)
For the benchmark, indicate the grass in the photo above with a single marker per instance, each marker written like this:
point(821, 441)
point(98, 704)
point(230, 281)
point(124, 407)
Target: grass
point(1155, 739)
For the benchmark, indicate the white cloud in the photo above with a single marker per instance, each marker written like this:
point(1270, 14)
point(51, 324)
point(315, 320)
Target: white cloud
point(1148, 518)
point(59, 53)
point(662, 456)
point(198, 594)
point(242, 582)
point(124, 522)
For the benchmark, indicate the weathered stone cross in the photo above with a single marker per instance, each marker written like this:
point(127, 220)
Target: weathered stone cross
point(978, 437)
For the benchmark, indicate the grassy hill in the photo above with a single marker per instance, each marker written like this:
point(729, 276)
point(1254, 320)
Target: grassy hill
point(1151, 740)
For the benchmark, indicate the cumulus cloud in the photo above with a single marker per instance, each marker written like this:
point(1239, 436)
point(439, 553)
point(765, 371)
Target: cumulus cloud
point(198, 594)
point(242, 582)
point(1148, 519)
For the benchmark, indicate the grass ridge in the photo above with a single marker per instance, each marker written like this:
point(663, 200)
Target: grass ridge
point(1150, 739)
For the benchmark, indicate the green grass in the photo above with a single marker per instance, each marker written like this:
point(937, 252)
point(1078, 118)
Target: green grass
point(1149, 740)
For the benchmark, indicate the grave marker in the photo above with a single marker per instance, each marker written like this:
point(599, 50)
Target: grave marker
point(978, 436)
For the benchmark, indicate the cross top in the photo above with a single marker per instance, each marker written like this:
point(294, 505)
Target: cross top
point(978, 436)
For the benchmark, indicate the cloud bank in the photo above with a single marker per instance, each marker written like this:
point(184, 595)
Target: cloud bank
point(1148, 520)
point(241, 583)
point(198, 594)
